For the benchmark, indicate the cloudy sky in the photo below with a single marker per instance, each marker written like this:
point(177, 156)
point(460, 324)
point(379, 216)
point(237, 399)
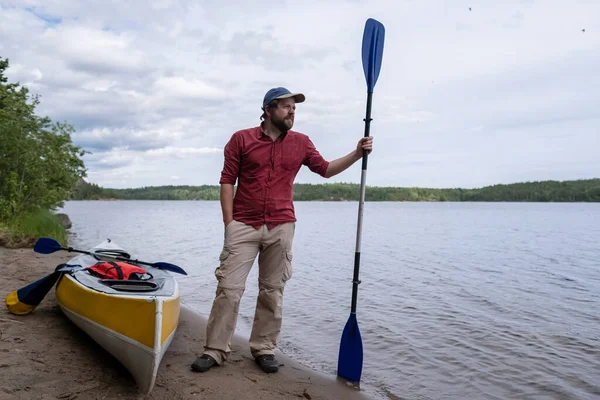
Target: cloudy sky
point(505, 91)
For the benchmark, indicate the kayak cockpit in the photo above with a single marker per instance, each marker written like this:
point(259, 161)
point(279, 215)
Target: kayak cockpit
point(131, 286)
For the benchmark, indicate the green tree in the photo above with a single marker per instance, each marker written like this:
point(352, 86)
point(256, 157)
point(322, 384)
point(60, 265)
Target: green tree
point(39, 165)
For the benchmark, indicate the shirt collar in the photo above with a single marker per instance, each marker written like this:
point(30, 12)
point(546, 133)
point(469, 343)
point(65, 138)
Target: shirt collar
point(260, 132)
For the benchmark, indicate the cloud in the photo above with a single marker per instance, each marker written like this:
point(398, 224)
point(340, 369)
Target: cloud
point(95, 51)
point(504, 92)
point(263, 48)
point(116, 158)
point(186, 89)
point(117, 166)
point(104, 139)
point(182, 152)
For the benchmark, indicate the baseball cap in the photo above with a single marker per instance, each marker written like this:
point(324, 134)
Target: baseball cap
point(281, 93)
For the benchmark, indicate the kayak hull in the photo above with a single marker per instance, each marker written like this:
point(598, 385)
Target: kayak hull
point(135, 327)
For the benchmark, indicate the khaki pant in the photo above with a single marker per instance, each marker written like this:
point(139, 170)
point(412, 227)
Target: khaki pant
point(241, 246)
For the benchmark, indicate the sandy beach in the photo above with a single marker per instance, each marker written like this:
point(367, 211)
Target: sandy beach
point(44, 356)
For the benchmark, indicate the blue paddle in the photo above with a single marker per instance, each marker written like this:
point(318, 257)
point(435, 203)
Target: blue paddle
point(48, 246)
point(350, 358)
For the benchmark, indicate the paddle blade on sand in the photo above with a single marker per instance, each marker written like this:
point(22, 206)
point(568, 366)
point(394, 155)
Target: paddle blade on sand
point(350, 359)
point(25, 300)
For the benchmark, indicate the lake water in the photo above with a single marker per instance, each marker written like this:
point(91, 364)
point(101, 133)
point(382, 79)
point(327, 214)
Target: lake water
point(457, 301)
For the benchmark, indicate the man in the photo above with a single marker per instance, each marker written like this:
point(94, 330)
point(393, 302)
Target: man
point(260, 221)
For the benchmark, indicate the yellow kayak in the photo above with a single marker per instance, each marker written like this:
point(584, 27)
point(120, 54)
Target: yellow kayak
point(133, 320)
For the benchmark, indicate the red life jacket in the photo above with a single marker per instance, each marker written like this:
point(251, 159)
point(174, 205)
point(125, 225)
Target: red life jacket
point(116, 270)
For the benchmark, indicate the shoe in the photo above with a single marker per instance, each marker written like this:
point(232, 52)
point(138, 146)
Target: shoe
point(267, 363)
point(204, 363)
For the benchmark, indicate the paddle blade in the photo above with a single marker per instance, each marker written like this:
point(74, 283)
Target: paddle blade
point(350, 358)
point(25, 300)
point(46, 246)
point(169, 267)
point(372, 51)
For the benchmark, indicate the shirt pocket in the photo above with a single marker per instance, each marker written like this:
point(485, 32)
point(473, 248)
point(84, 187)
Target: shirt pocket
point(291, 156)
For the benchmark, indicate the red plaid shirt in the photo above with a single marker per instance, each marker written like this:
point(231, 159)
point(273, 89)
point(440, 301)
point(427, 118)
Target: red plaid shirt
point(265, 171)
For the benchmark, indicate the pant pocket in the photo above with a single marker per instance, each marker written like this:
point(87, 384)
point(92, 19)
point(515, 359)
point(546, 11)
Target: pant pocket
point(222, 258)
point(227, 228)
point(287, 273)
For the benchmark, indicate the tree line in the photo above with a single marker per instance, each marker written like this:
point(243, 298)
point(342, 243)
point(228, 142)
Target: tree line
point(587, 190)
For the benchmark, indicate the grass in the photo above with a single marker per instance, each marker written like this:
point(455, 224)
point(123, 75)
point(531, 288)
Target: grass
point(24, 230)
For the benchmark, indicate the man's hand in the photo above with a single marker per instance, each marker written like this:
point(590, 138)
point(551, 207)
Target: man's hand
point(341, 164)
point(227, 222)
point(366, 144)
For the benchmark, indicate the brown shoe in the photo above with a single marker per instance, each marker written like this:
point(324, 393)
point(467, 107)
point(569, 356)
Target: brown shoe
point(204, 363)
point(267, 363)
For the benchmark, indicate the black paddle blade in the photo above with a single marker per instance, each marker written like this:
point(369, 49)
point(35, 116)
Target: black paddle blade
point(350, 359)
point(25, 300)
point(372, 51)
point(169, 267)
point(46, 246)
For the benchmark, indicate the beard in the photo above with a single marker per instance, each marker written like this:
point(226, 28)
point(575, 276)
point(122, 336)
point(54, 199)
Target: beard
point(283, 124)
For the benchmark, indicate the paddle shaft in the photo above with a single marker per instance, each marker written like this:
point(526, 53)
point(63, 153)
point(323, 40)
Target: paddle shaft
point(363, 179)
point(70, 249)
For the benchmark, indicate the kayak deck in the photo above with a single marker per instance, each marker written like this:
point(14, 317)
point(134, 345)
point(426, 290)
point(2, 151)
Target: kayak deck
point(163, 283)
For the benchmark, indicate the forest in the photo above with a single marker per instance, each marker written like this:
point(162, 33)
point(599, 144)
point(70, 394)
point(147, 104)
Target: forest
point(587, 190)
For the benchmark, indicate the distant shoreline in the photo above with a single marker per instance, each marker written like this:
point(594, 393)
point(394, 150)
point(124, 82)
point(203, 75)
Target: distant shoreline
point(587, 190)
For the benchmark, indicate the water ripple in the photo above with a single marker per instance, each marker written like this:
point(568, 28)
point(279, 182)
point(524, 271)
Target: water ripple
point(457, 301)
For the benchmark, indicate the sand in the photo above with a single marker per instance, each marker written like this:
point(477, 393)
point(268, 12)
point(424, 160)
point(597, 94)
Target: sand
point(44, 356)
